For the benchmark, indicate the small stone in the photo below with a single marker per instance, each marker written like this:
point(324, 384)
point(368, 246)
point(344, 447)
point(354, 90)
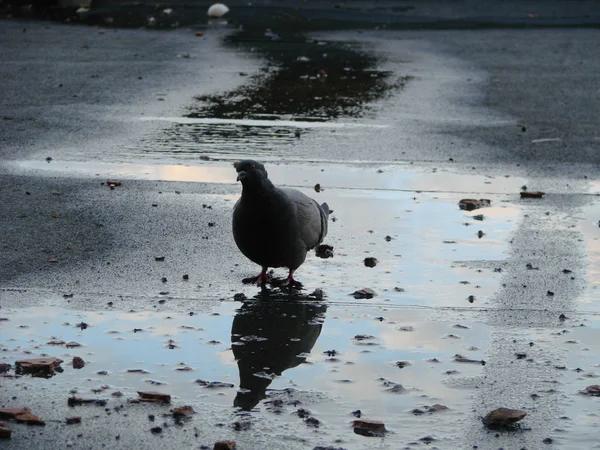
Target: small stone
point(548, 441)
point(4, 367)
point(78, 363)
point(159, 258)
point(156, 430)
point(503, 417)
point(370, 261)
point(72, 344)
point(318, 294)
point(317, 187)
point(73, 420)
point(186, 277)
point(469, 204)
point(312, 422)
point(366, 427)
point(152, 396)
point(5, 433)
point(593, 390)
point(225, 445)
point(239, 297)
point(437, 407)
point(183, 411)
point(388, 238)
point(363, 293)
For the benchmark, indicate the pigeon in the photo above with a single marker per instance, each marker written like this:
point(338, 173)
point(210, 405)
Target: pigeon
point(275, 227)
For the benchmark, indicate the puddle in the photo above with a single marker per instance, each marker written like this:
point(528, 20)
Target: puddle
point(307, 355)
point(303, 85)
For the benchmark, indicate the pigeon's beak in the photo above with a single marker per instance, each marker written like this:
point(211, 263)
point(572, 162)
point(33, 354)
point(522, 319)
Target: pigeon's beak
point(241, 175)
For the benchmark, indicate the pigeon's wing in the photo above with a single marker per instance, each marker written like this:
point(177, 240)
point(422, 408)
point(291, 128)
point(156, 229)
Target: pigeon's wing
point(312, 219)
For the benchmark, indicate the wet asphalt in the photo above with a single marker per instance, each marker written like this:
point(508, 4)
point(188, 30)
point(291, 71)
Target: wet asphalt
point(464, 113)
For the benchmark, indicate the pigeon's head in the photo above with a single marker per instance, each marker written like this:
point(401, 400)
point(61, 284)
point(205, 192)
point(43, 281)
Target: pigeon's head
point(250, 172)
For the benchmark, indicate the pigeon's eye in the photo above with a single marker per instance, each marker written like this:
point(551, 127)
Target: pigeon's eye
point(253, 166)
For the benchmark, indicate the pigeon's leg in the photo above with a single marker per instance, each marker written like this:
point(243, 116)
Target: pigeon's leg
point(291, 282)
point(261, 278)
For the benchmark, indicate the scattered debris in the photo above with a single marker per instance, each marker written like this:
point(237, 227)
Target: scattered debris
point(478, 217)
point(214, 384)
point(312, 422)
point(159, 258)
point(366, 427)
point(317, 187)
point(531, 194)
point(78, 363)
point(38, 367)
point(182, 411)
point(370, 261)
point(363, 293)
point(480, 234)
point(463, 359)
point(4, 367)
point(29, 419)
point(11, 413)
point(73, 420)
point(469, 204)
point(593, 390)
point(317, 293)
point(503, 417)
point(402, 364)
point(156, 430)
point(240, 297)
point(225, 445)
point(77, 401)
point(113, 183)
point(5, 433)
point(324, 251)
point(152, 396)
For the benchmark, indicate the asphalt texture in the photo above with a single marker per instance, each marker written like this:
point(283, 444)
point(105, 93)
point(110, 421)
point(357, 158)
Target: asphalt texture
point(514, 104)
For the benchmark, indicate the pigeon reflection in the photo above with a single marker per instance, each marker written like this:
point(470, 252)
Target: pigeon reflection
point(270, 334)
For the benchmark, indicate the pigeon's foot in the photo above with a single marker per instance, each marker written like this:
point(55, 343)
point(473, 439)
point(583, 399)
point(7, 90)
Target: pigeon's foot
point(260, 279)
point(288, 282)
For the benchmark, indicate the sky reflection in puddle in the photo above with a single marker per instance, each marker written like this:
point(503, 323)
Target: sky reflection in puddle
point(357, 376)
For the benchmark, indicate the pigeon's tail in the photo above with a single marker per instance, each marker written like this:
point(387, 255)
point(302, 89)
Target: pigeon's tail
point(324, 209)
